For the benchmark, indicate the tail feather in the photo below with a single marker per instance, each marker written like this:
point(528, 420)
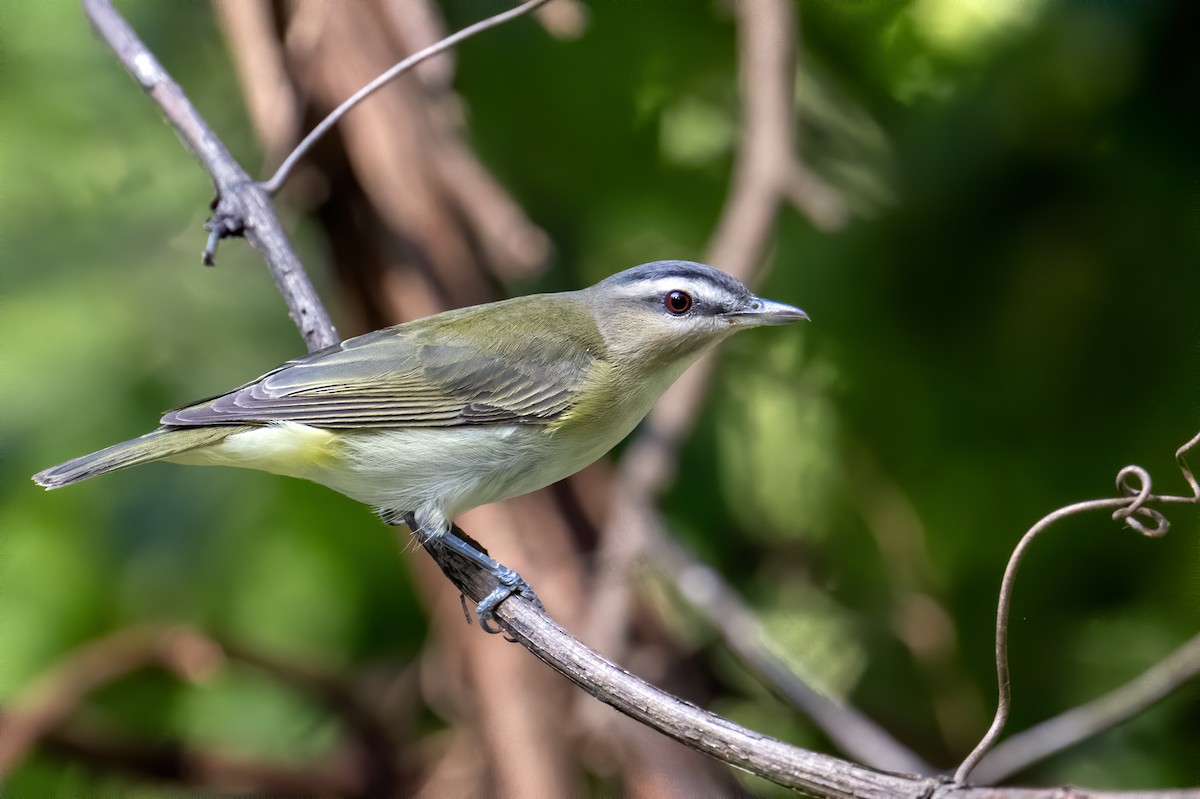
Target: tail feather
point(162, 443)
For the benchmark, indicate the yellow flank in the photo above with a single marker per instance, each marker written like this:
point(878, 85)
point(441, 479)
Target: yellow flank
point(603, 377)
point(287, 448)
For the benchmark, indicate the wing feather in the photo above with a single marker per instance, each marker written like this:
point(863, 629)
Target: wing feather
point(426, 374)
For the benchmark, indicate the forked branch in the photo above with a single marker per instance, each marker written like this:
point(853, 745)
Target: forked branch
point(241, 208)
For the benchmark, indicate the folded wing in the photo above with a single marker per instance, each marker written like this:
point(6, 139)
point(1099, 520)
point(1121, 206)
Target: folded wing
point(404, 377)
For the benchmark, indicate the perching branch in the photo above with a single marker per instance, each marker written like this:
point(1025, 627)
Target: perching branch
point(1133, 508)
point(766, 757)
point(241, 207)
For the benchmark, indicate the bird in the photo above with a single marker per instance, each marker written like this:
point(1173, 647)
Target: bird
point(428, 419)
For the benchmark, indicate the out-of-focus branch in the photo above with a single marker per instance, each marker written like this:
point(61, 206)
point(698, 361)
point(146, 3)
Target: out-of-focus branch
point(566, 19)
point(919, 618)
point(374, 751)
point(39, 714)
point(1132, 508)
point(766, 59)
point(52, 698)
point(406, 243)
point(242, 208)
point(767, 173)
point(1052, 736)
point(107, 750)
point(698, 729)
point(281, 175)
point(262, 73)
point(721, 607)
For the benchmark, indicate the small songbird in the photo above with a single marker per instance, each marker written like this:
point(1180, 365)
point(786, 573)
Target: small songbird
point(431, 418)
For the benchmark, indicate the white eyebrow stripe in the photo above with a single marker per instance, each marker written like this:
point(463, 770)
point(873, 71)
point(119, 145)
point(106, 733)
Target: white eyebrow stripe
point(661, 285)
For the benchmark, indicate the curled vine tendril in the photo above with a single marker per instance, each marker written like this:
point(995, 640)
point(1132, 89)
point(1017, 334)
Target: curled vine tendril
point(1134, 482)
point(1133, 509)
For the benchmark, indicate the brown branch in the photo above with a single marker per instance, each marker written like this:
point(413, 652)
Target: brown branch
point(242, 208)
point(281, 175)
point(1052, 736)
point(766, 61)
point(108, 750)
point(41, 711)
point(50, 700)
point(417, 25)
point(566, 19)
point(406, 248)
point(1133, 508)
point(258, 58)
point(919, 620)
point(375, 750)
point(766, 173)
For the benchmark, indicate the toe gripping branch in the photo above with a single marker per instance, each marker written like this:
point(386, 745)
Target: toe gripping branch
point(508, 581)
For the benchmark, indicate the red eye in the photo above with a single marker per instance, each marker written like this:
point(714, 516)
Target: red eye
point(678, 302)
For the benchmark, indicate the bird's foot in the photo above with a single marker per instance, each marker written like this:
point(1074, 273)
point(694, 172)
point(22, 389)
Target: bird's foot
point(510, 582)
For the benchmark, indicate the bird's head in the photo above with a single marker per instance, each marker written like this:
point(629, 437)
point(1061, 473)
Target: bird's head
point(664, 313)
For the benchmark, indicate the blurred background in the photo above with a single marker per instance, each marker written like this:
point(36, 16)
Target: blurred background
point(995, 228)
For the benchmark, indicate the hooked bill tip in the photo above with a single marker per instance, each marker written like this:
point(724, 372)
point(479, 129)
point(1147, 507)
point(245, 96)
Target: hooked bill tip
point(768, 312)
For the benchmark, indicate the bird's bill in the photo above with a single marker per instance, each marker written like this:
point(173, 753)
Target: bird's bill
point(759, 313)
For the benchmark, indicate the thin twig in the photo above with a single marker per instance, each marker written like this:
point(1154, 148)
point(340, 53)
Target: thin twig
point(1052, 736)
point(241, 207)
point(1131, 508)
point(281, 175)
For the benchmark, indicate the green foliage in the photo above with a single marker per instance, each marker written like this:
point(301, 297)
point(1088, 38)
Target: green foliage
point(1009, 318)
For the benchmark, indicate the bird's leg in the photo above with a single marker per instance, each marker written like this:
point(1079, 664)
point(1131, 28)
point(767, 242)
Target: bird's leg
point(509, 581)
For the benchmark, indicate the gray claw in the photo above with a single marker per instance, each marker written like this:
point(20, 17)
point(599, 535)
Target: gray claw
point(510, 583)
